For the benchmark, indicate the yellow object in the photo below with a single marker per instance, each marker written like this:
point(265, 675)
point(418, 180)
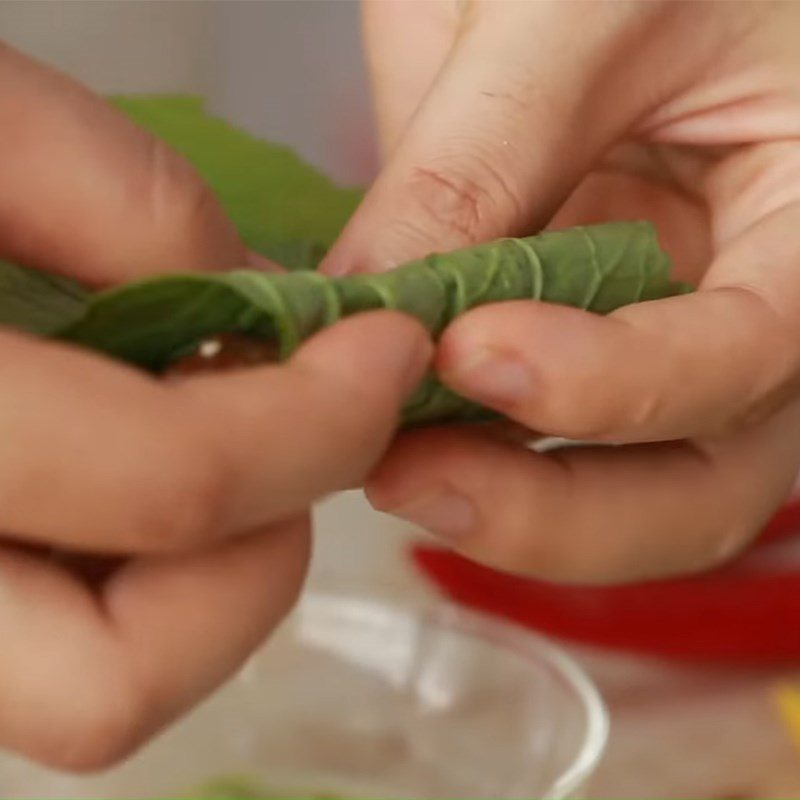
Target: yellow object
point(787, 698)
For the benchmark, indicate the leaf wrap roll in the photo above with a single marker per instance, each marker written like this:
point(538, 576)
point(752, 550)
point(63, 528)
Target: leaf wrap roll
point(599, 268)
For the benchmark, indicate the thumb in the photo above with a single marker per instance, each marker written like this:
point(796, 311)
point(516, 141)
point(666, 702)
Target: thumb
point(516, 116)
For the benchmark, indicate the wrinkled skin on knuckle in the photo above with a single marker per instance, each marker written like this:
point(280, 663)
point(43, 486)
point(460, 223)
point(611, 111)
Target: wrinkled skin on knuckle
point(471, 203)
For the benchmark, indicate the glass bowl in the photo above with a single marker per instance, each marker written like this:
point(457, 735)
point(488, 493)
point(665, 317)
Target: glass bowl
point(360, 695)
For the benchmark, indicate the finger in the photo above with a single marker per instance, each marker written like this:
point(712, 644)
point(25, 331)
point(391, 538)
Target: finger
point(318, 425)
point(96, 456)
point(591, 515)
point(513, 120)
point(88, 193)
point(713, 361)
point(86, 680)
point(401, 74)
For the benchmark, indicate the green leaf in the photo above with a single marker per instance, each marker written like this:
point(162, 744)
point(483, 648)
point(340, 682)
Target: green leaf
point(278, 202)
point(153, 322)
point(37, 302)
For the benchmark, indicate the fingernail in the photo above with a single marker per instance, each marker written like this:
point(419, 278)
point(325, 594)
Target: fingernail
point(444, 512)
point(495, 377)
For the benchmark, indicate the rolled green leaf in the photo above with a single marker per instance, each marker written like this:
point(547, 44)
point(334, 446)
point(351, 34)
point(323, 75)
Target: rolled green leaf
point(154, 322)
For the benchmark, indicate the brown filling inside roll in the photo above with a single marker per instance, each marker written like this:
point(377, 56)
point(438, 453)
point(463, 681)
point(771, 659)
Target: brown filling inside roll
point(226, 351)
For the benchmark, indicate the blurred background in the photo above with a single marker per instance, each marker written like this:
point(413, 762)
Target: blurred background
point(291, 71)
point(288, 70)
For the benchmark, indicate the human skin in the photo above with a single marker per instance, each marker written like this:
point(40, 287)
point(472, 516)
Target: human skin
point(497, 118)
point(201, 485)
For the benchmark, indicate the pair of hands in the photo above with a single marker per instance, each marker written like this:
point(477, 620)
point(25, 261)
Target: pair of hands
point(496, 118)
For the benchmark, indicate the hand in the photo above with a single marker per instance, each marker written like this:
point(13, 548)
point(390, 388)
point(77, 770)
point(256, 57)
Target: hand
point(500, 117)
point(205, 482)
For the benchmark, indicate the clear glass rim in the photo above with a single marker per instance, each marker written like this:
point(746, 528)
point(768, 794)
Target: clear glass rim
point(530, 644)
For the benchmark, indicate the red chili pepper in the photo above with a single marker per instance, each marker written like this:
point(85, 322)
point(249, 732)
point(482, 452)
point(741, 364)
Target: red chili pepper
point(726, 616)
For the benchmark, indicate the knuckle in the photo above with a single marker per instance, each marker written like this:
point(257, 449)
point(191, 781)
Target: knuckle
point(469, 200)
